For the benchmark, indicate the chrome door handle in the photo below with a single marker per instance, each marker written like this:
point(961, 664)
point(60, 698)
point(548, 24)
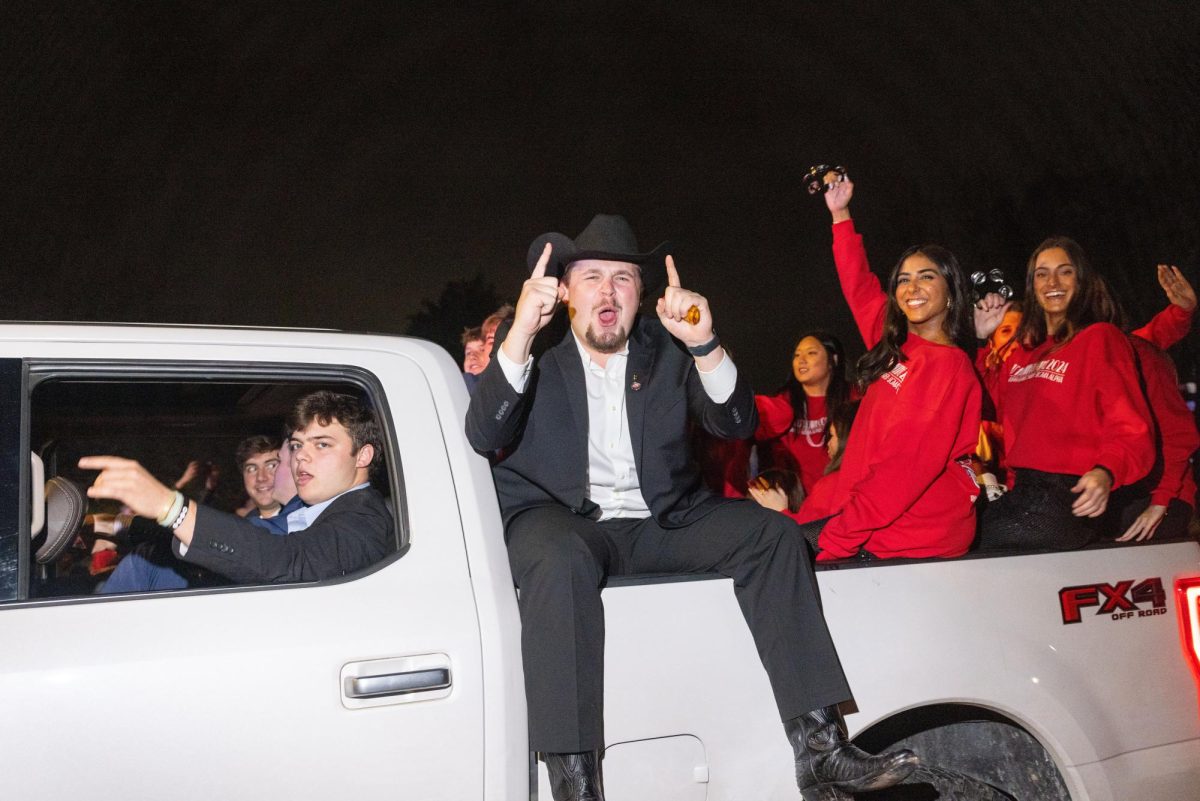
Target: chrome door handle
point(388, 684)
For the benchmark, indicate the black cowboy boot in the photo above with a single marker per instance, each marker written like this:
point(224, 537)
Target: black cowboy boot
point(826, 762)
point(575, 777)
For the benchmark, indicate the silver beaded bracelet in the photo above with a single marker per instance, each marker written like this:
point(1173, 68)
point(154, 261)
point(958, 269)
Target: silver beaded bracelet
point(183, 513)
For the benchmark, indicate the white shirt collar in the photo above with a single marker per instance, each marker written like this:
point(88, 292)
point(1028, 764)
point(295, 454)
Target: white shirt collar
point(588, 361)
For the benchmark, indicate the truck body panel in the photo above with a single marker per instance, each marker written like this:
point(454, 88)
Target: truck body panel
point(239, 692)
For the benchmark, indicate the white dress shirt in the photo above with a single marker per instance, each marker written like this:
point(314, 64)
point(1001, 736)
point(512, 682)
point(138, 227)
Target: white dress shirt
point(613, 483)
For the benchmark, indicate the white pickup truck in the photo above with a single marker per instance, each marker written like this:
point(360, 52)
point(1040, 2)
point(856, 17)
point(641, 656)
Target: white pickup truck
point(1052, 676)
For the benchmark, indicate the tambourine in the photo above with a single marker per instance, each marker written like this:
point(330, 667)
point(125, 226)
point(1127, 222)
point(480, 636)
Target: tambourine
point(989, 282)
point(819, 178)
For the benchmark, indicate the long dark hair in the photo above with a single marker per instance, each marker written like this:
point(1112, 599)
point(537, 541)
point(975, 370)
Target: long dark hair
point(838, 391)
point(1091, 303)
point(843, 422)
point(959, 322)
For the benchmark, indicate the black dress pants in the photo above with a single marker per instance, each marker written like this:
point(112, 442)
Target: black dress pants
point(1126, 503)
point(560, 562)
point(1035, 515)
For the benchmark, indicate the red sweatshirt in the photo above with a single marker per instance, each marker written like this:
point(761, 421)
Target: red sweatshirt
point(1068, 410)
point(821, 501)
point(801, 442)
point(1176, 427)
point(1167, 327)
point(905, 489)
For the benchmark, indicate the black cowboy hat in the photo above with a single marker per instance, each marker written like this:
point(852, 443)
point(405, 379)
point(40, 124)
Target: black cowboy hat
point(608, 237)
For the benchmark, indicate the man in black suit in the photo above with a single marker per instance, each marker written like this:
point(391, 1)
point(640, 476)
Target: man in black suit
point(343, 526)
point(595, 480)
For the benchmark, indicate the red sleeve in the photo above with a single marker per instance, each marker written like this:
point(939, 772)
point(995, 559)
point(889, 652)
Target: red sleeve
point(775, 416)
point(1176, 427)
point(863, 292)
point(1125, 437)
point(929, 413)
point(1167, 327)
point(820, 502)
point(991, 375)
point(990, 362)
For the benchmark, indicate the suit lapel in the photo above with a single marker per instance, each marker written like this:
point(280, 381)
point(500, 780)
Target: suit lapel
point(637, 378)
point(566, 357)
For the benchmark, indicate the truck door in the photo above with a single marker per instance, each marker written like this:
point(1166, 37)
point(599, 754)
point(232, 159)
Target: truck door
point(367, 687)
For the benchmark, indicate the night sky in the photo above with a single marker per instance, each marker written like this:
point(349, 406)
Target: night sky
point(333, 166)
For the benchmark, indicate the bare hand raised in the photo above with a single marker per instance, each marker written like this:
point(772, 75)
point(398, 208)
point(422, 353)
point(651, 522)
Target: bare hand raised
point(127, 481)
point(837, 198)
point(674, 310)
point(189, 474)
point(540, 296)
point(1179, 290)
point(989, 313)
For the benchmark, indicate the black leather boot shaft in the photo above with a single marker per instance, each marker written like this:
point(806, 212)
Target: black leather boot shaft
point(575, 777)
point(828, 766)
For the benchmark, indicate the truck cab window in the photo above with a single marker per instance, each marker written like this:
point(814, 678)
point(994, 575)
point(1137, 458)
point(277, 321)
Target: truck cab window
point(264, 492)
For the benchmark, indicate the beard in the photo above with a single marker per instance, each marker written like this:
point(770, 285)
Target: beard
point(610, 342)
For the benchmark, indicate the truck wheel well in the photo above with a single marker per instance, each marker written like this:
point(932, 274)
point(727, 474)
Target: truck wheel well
point(978, 742)
point(889, 731)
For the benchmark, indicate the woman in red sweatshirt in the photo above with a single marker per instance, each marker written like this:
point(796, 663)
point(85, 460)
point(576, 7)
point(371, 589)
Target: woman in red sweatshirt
point(905, 488)
point(1075, 421)
point(773, 491)
point(792, 422)
point(1171, 503)
point(1164, 501)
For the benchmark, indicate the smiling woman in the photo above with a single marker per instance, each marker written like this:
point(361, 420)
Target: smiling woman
point(1070, 367)
point(792, 422)
point(905, 488)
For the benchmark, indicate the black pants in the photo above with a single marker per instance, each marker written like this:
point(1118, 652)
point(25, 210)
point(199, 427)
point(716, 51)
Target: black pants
point(1035, 515)
point(1124, 508)
point(560, 561)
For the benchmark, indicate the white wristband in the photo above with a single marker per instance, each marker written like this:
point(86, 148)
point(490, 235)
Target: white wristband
point(172, 510)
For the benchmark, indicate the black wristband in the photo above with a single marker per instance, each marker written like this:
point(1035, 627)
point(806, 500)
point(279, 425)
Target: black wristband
point(705, 349)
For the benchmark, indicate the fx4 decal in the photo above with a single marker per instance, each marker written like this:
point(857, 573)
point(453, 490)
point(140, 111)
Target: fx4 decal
point(1123, 600)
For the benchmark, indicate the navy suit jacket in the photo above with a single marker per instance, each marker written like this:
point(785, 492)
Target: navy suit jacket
point(353, 532)
point(543, 432)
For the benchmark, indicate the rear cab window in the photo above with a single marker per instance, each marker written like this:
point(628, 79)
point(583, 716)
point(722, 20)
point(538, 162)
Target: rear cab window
point(167, 417)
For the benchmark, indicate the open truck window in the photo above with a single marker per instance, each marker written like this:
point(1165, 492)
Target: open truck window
point(185, 429)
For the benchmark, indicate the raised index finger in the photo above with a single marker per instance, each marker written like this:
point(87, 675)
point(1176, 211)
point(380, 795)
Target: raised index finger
point(103, 462)
point(672, 273)
point(539, 269)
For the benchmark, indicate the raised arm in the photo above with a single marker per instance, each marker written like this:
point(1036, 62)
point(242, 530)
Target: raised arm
point(497, 409)
point(719, 397)
point(861, 288)
point(1171, 324)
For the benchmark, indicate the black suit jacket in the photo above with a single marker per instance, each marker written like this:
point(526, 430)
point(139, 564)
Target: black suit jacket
point(353, 532)
point(543, 431)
